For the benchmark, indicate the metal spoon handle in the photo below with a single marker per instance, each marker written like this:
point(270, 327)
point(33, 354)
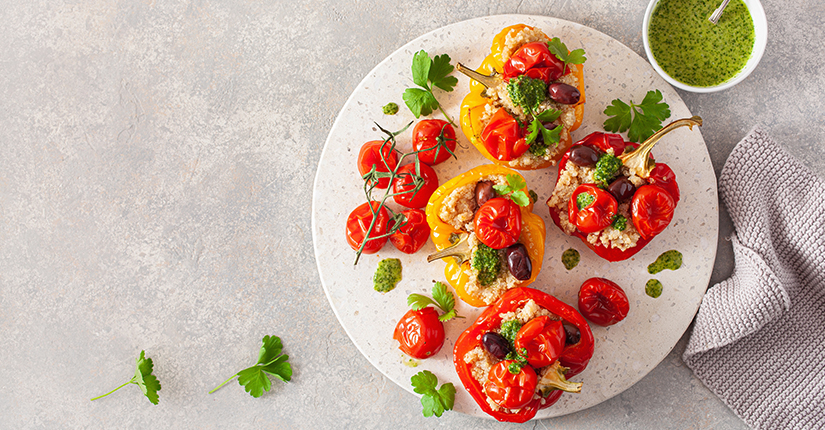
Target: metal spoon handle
point(714, 17)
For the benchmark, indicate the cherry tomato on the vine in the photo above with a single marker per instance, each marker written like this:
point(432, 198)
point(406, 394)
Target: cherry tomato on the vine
point(436, 134)
point(591, 208)
point(509, 390)
point(503, 137)
point(652, 209)
point(406, 181)
point(420, 333)
point(370, 155)
point(358, 223)
point(603, 302)
point(543, 338)
point(410, 237)
point(498, 223)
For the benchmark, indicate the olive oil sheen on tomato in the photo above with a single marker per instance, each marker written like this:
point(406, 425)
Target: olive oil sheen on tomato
point(694, 51)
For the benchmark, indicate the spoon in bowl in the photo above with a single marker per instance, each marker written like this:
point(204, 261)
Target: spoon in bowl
point(714, 17)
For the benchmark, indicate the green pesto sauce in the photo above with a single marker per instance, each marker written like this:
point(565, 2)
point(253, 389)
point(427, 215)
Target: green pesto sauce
point(584, 200)
point(487, 262)
point(570, 258)
point(693, 50)
point(653, 288)
point(527, 92)
point(668, 260)
point(387, 275)
point(607, 168)
point(390, 108)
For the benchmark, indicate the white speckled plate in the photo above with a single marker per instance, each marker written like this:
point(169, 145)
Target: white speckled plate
point(625, 352)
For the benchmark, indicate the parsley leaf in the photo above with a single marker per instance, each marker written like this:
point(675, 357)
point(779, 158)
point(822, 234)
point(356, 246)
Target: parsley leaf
point(514, 190)
point(271, 362)
point(426, 71)
point(639, 120)
point(442, 299)
point(434, 401)
point(143, 378)
point(559, 49)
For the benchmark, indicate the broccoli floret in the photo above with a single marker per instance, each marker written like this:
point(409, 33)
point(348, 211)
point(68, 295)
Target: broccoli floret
point(488, 264)
point(387, 275)
point(606, 168)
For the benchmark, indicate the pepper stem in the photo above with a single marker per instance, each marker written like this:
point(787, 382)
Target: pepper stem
point(461, 251)
point(553, 379)
point(639, 161)
point(488, 81)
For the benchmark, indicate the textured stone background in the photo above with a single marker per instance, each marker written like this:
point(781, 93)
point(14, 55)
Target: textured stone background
point(155, 181)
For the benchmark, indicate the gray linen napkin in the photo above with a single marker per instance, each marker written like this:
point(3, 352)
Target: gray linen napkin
point(758, 341)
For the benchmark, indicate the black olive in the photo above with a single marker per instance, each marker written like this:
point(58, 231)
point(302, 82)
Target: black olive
point(496, 345)
point(584, 156)
point(622, 188)
point(563, 93)
point(484, 192)
point(518, 261)
point(572, 335)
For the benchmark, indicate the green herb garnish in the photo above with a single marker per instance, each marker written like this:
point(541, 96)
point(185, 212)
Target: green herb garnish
point(434, 401)
point(642, 120)
point(387, 275)
point(561, 52)
point(271, 362)
point(442, 299)
point(428, 74)
point(509, 330)
point(514, 190)
point(143, 378)
point(520, 360)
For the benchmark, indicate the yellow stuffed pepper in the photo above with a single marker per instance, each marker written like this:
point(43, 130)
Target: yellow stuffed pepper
point(483, 226)
point(524, 100)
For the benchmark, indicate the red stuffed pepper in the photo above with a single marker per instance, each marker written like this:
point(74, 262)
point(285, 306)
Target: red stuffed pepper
point(612, 195)
point(516, 358)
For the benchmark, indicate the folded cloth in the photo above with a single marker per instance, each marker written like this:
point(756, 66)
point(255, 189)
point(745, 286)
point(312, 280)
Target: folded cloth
point(758, 341)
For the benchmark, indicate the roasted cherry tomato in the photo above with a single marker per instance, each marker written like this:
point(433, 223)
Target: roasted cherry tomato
point(663, 176)
point(411, 236)
point(598, 207)
point(534, 60)
point(370, 155)
point(406, 181)
point(429, 133)
point(498, 223)
point(652, 209)
point(503, 137)
point(603, 302)
point(508, 390)
point(358, 223)
point(543, 338)
point(420, 333)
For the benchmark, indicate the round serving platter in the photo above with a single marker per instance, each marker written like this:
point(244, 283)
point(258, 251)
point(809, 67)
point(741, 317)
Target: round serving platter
point(625, 352)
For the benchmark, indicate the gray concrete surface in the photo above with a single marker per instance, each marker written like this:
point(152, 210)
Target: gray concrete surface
point(155, 181)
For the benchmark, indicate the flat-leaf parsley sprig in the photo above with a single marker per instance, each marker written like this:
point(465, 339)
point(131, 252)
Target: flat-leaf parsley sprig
point(559, 49)
point(271, 362)
point(143, 378)
point(514, 190)
point(442, 299)
point(397, 220)
point(639, 120)
point(429, 73)
point(434, 401)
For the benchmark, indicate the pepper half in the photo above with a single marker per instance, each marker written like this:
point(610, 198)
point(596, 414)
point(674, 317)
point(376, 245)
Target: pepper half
point(473, 105)
point(533, 231)
point(574, 356)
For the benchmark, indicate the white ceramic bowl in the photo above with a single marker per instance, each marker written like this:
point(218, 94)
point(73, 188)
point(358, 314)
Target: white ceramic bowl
point(760, 30)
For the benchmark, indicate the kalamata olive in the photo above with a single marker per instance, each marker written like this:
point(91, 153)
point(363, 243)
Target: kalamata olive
point(496, 345)
point(484, 192)
point(563, 93)
point(518, 261)
point(572, 335)
point(585, 156)
point(622, 188)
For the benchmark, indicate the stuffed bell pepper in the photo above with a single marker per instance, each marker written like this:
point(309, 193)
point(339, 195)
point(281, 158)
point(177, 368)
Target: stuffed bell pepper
point(517, 357)
point(612, 195)
point(525, 99)
point(483, 226)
